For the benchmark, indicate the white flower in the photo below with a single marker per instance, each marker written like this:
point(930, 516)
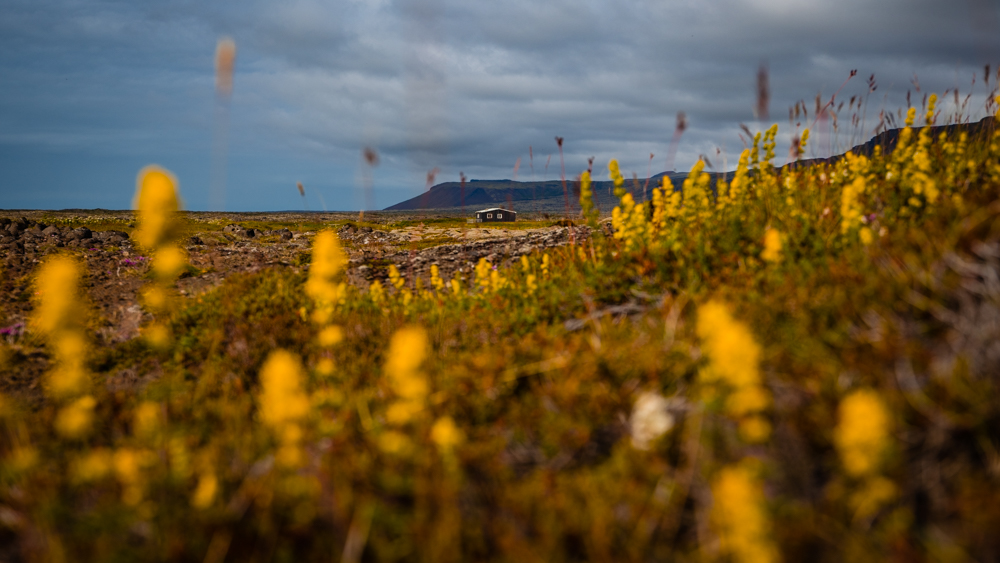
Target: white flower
point(650, 420)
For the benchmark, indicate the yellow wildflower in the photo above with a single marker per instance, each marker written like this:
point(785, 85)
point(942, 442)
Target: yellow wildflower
point(739, 516)
point(330, 336)
point(75, 419)
point(436, 282)
point(587, 198)
point(57, 304)
point(282, 400)
point(616, 176)
point(395, 442)
point(407, 351)
point(69, 377)
point(326, 263)
point(395, 278)
point(483, 269)
point(157, 202)
point(168, 262)
point(850, 207)
point(734, 358)
point(204, 493)
point(91, 466)
point(146, 419)
point(772, 246)
point(446, 435)
point(377, 292)
point(931, 102)
point(862, 434)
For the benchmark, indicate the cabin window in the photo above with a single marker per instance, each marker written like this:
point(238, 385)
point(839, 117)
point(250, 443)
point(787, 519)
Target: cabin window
point(489, 215)
point(499, 215)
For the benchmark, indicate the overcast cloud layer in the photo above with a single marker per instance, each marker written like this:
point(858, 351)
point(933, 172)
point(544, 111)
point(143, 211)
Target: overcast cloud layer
point(92, 91)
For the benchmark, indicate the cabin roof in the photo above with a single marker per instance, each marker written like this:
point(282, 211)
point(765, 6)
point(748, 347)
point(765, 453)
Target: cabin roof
point(496, 209)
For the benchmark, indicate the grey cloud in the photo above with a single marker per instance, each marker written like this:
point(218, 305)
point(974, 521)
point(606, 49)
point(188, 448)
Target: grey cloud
point(464, 86)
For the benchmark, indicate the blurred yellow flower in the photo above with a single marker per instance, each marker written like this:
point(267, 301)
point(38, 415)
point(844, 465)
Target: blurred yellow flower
point(75, 419)
point(146, 419)
point(863, 430)
point(395, 442)
point(57, 306)
point(157, 202)
point(158, 336)
point(734, 360)
point(327, 262)
point(739, 515)
point(204, 493)
point(168, 262)
point(772, 246)
point(330, 336)
point(446, 435)
point(281, 398)
point(92, 466)
point(407, 351)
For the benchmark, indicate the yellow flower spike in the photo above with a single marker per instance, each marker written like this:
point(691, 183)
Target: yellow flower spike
point(446, 435)
point(866, 236)
point(281, 400)
point(931, 102)
point(204, 494)
point(525, 264)
point(616, 176)
point(377, 292)
point(911, 116)
point(483, 269)
point(57, 306)
point(587, 197)
point(850, 207)
point(330, 336)
point(69, 377)
point(804, 140)
point(158, 336)
point(545, 265)
point(395, 443)
point(734, 360)
point(395, 278)
point(75, 419)
point(326, 263)
point(169, 262)
point(156, 200)
point(772, 246)
point(325, 366)
point(146, 419)
point(456, 286)
point(436, 282)
point(739, 515)
point(91, 466)
point(863, 431)
point(407, 351)
point(155, 297)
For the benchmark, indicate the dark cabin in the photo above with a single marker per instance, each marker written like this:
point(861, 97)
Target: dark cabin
point(495, 214)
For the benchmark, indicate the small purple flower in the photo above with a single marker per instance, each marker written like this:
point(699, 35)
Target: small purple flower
point(16, 329)
point(871, 217)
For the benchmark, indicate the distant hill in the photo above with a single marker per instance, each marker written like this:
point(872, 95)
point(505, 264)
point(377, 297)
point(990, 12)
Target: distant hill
point(551, 196)
point(528, 196)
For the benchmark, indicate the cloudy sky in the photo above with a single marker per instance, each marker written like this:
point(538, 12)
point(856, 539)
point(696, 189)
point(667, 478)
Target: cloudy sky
point(91, 91)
